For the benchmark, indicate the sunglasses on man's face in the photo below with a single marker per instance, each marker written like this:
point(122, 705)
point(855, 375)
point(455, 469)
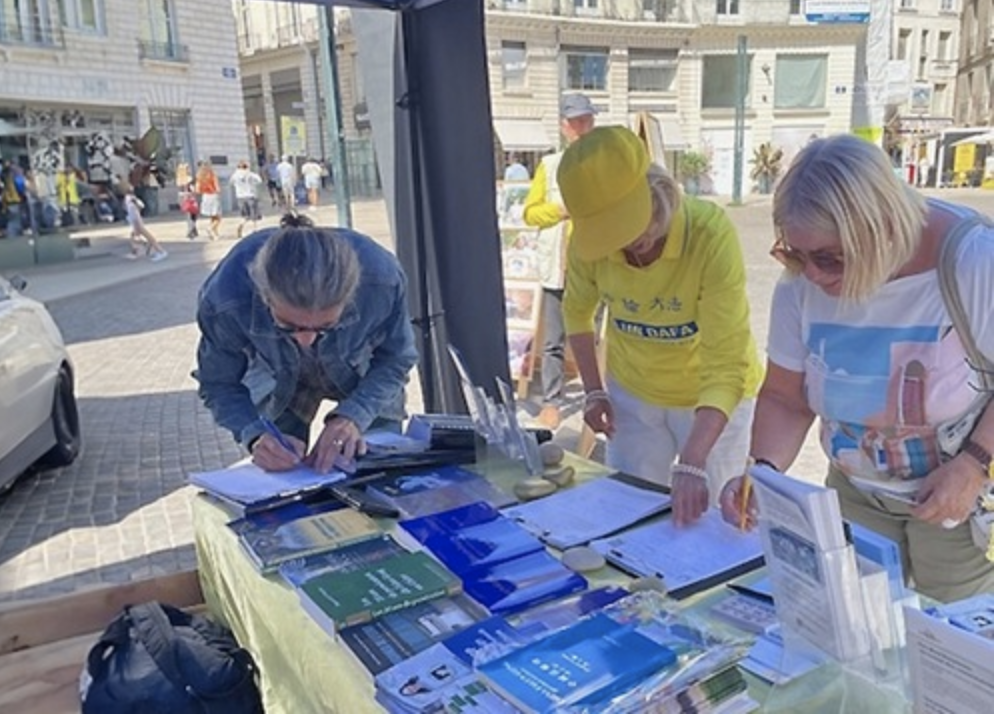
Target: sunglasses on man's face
point(292, 329)
point(796, 260)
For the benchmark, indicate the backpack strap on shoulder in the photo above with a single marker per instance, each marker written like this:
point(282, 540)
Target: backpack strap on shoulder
point(954, 301)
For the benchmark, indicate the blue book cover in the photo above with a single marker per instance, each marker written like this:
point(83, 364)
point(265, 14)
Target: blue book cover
point(482, 545)
point(305, 506)
point(550, 616)
point(579, 668)
point(521, 583)
point(885, 552)
point(394, 637)
point(420, 528)
point(484, 640)
point(425, 492)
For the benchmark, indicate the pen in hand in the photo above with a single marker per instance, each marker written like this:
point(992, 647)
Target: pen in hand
point(270, 427)
point(746, 493)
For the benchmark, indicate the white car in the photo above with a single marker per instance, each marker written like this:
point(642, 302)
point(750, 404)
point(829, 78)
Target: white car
point(39, 421)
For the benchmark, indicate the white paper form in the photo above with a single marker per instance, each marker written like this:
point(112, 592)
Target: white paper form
point(687, 558)
point(593, 509)
point(952, 670)
point(245, 483)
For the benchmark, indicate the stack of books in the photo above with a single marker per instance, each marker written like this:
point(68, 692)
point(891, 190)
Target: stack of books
point(631, 654)
point(424, 492)
point(502, 566)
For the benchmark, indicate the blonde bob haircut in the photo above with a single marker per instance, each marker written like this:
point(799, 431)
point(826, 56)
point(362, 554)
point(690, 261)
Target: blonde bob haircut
point(666, 195)
point(845, 186)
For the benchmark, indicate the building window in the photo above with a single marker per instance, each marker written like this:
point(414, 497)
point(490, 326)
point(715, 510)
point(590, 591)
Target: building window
point(651, 70)
point(514, 64)
point(174, 124)
point(907, 4)
point(800, 82)
point(26, 21)
point(157, 36)
point(585, 68)
point(728, 7)
point(719, 86)
point(84, 15)
point(585, 7)
point(903, 40)
point(795, 7)
point(943, 52)
point(939, 101)
point(947, 5)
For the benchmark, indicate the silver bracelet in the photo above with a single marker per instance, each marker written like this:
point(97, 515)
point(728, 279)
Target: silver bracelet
point(593, 395)
point(685, 469)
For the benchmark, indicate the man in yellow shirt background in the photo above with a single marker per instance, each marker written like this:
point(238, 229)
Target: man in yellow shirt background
point(544, 208)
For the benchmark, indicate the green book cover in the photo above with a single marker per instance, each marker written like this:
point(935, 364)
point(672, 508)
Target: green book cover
point(271, 545)
point(340, 600)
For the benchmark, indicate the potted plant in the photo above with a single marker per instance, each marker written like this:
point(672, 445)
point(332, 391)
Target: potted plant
point(767, 163)
point(693, 167)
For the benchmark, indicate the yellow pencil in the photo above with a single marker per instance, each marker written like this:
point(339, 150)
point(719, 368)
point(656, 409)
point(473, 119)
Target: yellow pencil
point(745, 491)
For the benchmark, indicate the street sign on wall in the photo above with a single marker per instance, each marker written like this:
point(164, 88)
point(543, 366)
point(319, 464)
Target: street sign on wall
point(835, 11)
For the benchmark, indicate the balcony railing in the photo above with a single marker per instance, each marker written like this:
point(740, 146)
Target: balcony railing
point(31, 29)
point(631, 11)
point(166, 51)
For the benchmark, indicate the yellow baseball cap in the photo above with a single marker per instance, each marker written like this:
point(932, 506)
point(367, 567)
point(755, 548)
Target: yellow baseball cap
point(603, 179)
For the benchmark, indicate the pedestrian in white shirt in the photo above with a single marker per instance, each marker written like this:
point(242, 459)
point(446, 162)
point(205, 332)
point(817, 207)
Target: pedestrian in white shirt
point(288, 179)
point(245, 183)
point(312, 172)
point(133, 206)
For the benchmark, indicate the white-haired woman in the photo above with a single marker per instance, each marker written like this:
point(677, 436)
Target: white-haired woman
point(860, 337)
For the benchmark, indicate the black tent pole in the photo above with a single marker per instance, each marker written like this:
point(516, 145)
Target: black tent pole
point(410, 102)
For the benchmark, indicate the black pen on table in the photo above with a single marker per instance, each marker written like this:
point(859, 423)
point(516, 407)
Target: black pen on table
point(270, 427)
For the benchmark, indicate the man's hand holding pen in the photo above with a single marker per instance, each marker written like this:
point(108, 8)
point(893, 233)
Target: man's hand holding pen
point(276, 452)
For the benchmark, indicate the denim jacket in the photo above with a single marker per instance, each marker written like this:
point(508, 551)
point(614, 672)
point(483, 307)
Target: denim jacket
point(247, 367)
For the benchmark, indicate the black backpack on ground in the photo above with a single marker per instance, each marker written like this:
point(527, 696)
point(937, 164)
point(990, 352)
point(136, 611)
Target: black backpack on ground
point(154, 658)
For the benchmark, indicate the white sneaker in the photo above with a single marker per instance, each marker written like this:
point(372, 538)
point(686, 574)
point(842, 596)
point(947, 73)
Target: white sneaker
point(159, 255)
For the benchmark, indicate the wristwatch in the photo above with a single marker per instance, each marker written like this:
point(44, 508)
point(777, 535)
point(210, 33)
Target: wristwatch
point(978, 453)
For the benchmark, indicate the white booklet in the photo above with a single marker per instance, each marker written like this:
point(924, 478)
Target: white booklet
point(689, 558)
point(575, 516)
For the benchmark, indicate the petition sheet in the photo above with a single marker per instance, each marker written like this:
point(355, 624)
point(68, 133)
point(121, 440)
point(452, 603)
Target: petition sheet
point(593, 509)
point(683, 556)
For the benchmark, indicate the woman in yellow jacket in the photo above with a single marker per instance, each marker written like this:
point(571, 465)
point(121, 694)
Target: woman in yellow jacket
point(682, 370)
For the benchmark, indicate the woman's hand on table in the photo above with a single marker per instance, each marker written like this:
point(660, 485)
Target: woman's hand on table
point(731, 502)
point(339, 442)
point(949, 493)
point(271, 456)
point(690, 497)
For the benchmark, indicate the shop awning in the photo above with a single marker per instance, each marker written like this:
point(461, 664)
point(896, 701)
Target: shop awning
point(523, 135)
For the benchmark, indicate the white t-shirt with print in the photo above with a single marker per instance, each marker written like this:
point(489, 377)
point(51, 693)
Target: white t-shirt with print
point(889, 376)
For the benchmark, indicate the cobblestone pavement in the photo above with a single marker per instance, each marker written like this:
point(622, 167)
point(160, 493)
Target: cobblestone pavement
point(121, 512)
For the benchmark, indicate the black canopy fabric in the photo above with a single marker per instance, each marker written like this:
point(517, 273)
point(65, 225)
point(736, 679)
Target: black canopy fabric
point(424, 67)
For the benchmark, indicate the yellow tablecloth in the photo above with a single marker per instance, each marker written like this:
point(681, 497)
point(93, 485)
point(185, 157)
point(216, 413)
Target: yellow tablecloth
point(304, 670)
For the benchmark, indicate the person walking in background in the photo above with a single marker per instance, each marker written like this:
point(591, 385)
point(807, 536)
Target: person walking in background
point(544, 208)
point(312, 172)
point(295, 315)
point(68, 195)
point(682, 371)
point(862, 338)
point(273, 181)
point(209, 189)
point(246, 183)
point(133, 208)
point(288, 182)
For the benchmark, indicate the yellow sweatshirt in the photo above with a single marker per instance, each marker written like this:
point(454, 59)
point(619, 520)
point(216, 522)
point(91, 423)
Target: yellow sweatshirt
point(678, 330)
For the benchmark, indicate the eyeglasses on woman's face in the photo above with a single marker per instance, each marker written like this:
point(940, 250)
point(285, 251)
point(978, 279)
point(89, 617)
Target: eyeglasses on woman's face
point(304, 324)
point(827, 262)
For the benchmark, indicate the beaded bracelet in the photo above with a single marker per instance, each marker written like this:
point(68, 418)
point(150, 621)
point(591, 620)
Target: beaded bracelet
point(593, 395)
point(680, 467)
